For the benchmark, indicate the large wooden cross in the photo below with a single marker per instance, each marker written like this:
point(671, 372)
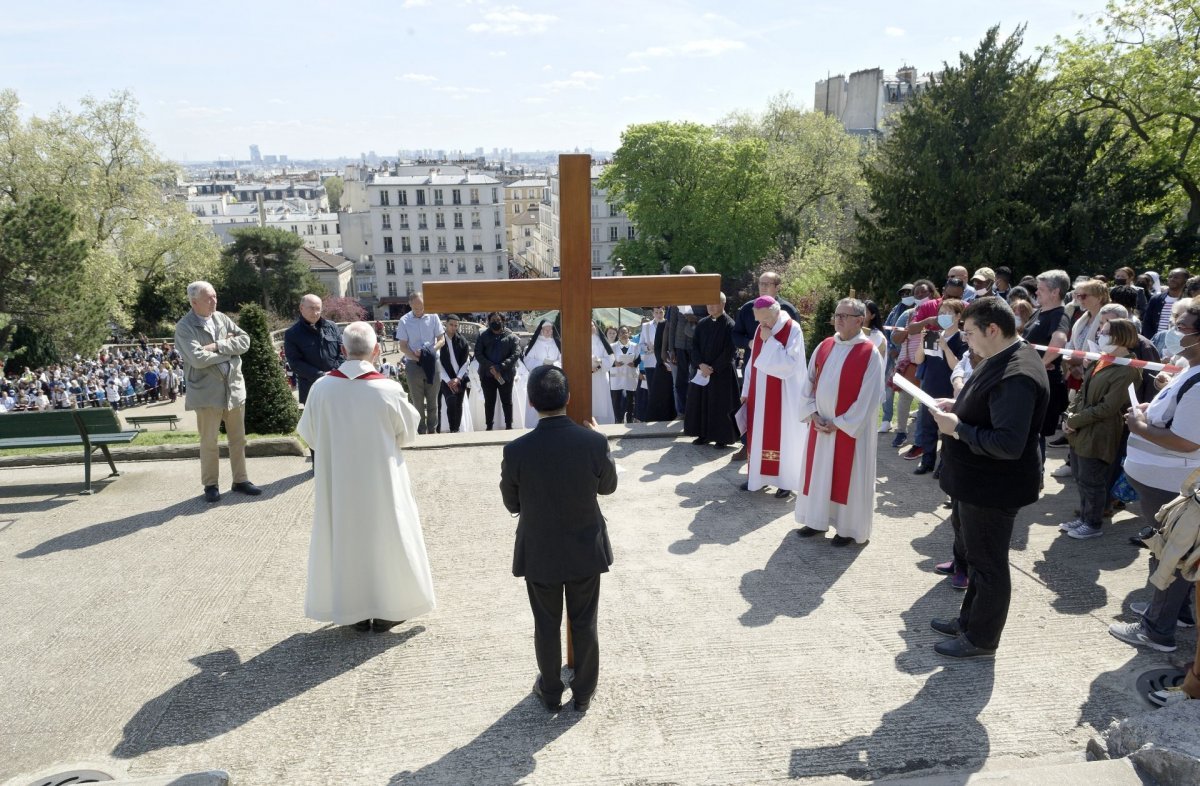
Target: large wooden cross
point(576, 293)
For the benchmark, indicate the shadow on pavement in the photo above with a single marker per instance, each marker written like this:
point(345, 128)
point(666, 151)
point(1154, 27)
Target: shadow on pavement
point(939, 728)
point(795, 579)
point(119, 528)
point(502, 754)
point(228, 693)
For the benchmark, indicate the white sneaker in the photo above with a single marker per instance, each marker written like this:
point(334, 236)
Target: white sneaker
point(1063, 471)
point(1067, 526)
point(1085, 532)
point(885, 427)
point(1167, 696)
point(1140, 610)
point(1133, 633)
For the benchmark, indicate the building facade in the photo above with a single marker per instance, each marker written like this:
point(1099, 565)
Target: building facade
point(522, 199)
point(864, 102)
point(609, 227)
point(413, 224)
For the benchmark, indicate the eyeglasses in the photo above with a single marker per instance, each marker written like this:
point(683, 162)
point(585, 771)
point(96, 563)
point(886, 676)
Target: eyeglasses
point(848, 316)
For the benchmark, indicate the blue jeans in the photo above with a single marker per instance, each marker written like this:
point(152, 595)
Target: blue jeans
point(889, 395)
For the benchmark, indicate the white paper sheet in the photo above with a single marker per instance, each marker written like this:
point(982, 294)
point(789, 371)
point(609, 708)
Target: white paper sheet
point(700, 379)
point(914, 391)
point(1133, 402)
point(741, 418)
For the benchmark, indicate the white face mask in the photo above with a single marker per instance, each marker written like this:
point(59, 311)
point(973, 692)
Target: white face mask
point(920, 301)
point(1020, 323)
point(908, 300)
point(1104, 343)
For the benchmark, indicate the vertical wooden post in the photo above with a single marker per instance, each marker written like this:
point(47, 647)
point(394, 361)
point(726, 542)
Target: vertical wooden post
point(575, 248)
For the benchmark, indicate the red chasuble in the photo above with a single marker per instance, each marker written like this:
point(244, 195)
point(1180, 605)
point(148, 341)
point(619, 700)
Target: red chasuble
point(854, 368)
point(769, 464)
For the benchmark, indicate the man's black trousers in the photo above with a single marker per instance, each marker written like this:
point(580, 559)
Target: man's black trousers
point(583, 601)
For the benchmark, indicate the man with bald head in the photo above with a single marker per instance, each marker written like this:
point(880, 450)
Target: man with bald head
point(313, 345)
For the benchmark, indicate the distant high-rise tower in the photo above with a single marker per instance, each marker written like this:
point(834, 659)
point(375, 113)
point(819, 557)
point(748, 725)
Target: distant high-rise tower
point(255, 156)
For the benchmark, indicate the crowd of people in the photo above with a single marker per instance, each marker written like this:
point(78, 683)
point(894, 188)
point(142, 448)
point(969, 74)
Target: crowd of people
point(118, 377)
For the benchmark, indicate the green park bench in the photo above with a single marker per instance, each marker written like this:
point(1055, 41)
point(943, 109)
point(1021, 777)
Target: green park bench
point(90, 428)
point(137, 420)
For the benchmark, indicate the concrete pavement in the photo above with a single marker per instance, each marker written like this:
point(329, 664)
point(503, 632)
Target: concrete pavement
point(146, 630)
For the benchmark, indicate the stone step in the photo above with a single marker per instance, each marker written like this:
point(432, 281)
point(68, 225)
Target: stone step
point(1113, 772)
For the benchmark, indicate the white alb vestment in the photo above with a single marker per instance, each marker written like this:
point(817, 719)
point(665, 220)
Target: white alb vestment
point(624, 377)
point(837, 483)
point(774, 373)
point(367, 557)
point(602, 409)
point(544, 352)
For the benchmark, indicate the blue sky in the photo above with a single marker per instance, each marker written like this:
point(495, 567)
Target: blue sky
point(313, 79)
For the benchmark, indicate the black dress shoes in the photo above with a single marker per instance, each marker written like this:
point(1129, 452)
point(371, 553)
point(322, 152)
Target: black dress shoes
point(381, 626)
point(962, 648)
point(807, 531)
point(699, 441)
point(212, 494)
point(554, 705)
point(783, 494)
point(841, 540)
point(922, 469)
point(246, 487)
point(946, 627)
point(745, 486)
point(362, 626)
point(581, 705)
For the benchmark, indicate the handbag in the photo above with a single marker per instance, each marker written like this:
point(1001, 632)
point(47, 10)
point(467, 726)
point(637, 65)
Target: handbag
point(1123, 490)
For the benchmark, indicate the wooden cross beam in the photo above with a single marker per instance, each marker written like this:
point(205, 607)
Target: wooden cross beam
point(576, 293)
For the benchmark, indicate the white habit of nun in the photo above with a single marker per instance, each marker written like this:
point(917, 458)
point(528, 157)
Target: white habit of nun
point(837, 486)
point(771, 387)
point(366, 559)
point(602, 409)
point(474, 402)
point(544, 352)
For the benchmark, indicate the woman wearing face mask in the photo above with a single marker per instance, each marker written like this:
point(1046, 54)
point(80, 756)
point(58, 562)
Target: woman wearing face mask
point(1094, 426)
point(938, 354)
point(893, 351)
point(497, 352)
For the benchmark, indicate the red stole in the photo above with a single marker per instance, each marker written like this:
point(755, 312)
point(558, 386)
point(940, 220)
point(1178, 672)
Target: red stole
point(773, 414)
point(337, 372)
point(854, 368)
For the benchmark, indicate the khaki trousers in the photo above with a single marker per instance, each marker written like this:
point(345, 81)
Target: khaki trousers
point(208, 421)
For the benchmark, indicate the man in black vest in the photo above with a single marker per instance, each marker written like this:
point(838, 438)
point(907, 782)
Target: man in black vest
point(454, 358)
point(992, 469)
point(551, 477)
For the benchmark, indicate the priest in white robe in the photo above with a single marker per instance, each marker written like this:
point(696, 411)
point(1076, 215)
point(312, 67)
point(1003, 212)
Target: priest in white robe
point(602, 361)
point(770, 393)
point(367, 564)
point(840, 405)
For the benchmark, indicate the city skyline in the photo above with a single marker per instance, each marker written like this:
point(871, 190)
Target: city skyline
point(212, 80)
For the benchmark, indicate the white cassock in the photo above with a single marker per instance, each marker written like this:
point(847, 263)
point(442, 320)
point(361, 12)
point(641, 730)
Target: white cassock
point(602, 409)
point(624, 377)
point(544, 352)
point(771, 386)
point(520, 400)
point(366, 559)
point(837, 487)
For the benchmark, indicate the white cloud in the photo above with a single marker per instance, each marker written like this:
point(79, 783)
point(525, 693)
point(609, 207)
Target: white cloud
point(415, 3)
point(547, 67)
point(585, 75)
point(639, 69)
point(416, 78)
point(705, 47)
point(636, 98)
point(276, 101)
point(535, 100)
point(511, 20)
point(200, 112)
point(893, 32)
point(460, 91)
point(559, 85)
point(498, 53)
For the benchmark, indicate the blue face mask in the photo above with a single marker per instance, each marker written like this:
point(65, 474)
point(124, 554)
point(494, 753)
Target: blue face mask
point(945, 321)
point(1173, 344)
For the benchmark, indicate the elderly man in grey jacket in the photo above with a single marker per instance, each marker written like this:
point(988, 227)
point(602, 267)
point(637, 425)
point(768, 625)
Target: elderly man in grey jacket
point(211, 345)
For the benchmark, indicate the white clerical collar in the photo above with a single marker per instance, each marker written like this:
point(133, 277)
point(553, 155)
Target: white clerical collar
point(354, 369)
point(779, 323)
point(848, 341)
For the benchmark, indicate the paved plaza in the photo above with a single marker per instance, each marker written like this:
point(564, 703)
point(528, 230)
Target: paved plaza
point(146, 630)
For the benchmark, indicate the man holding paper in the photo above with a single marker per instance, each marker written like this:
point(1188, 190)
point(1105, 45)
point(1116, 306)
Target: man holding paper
point(712, 394)
point(990, 442)
point(839, 400)
point(770, 393)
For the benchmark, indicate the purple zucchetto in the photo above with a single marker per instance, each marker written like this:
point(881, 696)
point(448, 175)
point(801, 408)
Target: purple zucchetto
point(766, 301)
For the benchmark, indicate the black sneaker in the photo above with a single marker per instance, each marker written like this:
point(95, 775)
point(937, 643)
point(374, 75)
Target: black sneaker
point(212, 494)
point(1057, 442)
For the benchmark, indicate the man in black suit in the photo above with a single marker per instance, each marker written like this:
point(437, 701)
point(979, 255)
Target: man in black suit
point(551, 477)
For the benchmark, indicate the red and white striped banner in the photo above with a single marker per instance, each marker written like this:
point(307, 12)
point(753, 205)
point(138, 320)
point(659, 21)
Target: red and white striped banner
point(1080, 354)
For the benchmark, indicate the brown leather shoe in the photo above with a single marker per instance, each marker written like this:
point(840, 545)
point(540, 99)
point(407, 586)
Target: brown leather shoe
point(741, 455)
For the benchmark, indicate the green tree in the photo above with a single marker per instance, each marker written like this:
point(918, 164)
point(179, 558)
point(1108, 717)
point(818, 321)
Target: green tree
point(1141, 71)
point(696, 198)
point(262, 266)
point(334, 188)
point(41, 273)
point(98, 163)
point(271, 408)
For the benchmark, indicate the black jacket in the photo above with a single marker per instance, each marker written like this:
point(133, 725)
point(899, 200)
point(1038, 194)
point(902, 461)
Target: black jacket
point(995, 462)
point(551, 477)
point(500, 350)
point(312, 350)
point(1153, 313)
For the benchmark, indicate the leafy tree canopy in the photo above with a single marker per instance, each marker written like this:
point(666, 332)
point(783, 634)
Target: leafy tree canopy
point(262, 266)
